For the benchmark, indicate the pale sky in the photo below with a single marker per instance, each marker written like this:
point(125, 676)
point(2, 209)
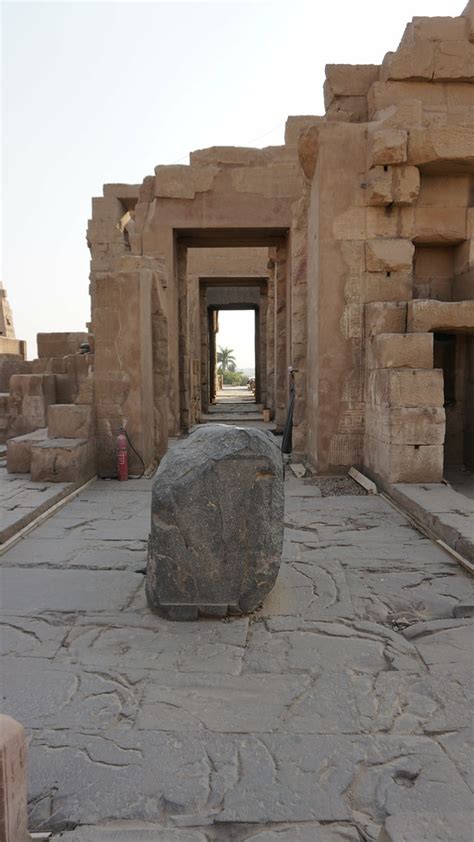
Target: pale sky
point(102, 92)
point(237, 331)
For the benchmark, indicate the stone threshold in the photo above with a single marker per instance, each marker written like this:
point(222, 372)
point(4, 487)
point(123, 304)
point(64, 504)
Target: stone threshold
point(445, 513)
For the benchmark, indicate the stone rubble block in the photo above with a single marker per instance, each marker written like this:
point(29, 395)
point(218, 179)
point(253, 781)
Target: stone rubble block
point(379, 186)
point(400, 350)
point(405, 387)
point(13, 806)
point(180, 181)
point(389, 255)
point(386, 146)
point(19, 451)
point(385, 317)
point(217, 523)
point(456, 316)
point(63, 460)
point(70, 421)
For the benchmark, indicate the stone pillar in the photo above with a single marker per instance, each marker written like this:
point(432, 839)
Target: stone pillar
point(183, 338)
point(299, 314)
point(281, 374)
point(124, 366)
point(271, 335)
point(262, 343)
point(203, 320)
point(13, 805)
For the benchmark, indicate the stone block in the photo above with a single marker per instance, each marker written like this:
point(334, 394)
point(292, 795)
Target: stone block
point(202, 556)
point(443, 316)
point(60, 344)
point(13, 782)
point(403, 462)
point(63, 460)
point(454, 60)
point(180, 181)
point(405, 387)
point(440, 225)
point(409, 62)
point(427, 827)
point(406, 185)
point(70, 421)
point(434, 29)
point(12, 364)
point(406, 425)
point(348, 109)
point(379, 186)
point(386, 146)
point(30, 396)
point(19, 451)
point(438, 146)
point(297, 124)
point(388, 286)
point(348, 80)
point(400, 350)
point(389, 255)
point(468, 14)
point(385, 317)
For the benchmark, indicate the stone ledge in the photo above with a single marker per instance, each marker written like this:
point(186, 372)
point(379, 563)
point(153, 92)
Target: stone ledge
point(441, 509)
point(446, 316)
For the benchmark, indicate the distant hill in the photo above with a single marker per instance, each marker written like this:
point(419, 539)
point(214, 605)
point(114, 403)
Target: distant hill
point(250, 372)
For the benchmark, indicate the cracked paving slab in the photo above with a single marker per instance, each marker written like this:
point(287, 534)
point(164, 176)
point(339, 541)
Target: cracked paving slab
point(191, 778)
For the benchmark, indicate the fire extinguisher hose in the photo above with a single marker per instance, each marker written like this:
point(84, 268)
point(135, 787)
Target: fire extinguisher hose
point(136, 453)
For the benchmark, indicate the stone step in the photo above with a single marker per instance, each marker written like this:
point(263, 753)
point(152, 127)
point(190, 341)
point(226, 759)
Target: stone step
point(70, 421)
point(19, 451)
point(63, 460)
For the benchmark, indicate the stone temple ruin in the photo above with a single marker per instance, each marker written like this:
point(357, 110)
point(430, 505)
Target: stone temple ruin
point(352, 243)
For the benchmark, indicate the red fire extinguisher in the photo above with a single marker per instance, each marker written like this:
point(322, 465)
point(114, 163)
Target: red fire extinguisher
point(122, 455)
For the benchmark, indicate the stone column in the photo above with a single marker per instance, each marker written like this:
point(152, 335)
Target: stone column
point(183, 338)
point(281, 374)
point(271, 335)
point(13, 804)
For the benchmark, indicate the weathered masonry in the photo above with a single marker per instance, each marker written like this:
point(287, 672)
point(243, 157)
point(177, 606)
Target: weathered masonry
point(352, 242)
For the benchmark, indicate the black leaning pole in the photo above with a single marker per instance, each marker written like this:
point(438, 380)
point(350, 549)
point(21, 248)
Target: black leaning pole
point(287, 440)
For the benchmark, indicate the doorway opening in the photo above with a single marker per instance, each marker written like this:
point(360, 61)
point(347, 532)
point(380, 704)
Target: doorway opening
point(454, 354)
point(236, 358)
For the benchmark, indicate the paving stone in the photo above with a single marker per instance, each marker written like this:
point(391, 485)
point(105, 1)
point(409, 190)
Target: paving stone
point(449, 645)
point(44, 695)
point(66, 590)
point(311, 647)
point(149, 642)
point(74, 552)
point(404, 703)
point(225, 778)
point(32, 636)
point(413, 595)
point(133, 832)
point(460, 748)
point(62, 525)
point(455, 827)
point(313, 591)
point(238, 704)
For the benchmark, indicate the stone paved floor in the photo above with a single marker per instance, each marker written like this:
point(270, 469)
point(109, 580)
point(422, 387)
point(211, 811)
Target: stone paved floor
point(22, 500)
point(339, 711)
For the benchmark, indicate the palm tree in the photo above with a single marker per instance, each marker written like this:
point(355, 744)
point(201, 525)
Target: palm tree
point(225, 356)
